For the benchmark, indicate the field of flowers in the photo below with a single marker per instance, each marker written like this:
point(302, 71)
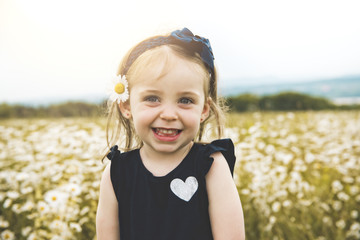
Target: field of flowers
point(298, 175)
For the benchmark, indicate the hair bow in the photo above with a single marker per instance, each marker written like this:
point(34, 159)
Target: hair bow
point(199, 44)
point(183, 38)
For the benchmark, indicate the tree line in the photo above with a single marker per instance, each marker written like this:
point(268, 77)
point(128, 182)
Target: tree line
point(67, 109)
point(285, 101)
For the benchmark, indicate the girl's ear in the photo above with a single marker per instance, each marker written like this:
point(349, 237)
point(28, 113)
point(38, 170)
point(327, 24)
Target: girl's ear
point(206, 110)
point(125, 109)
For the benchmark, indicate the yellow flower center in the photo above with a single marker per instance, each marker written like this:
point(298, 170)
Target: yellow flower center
point(119, 88)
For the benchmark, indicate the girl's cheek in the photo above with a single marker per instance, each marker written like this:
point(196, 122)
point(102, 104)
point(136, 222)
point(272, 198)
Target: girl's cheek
point(143, 111)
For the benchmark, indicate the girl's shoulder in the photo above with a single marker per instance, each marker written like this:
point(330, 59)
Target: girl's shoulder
point(120, 161)
point(225, 146)
point(116, 155)
point(122, 165)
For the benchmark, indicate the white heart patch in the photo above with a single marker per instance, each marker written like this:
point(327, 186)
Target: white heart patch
point(184, 190)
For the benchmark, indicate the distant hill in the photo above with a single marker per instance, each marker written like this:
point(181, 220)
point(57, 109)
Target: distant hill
point(336, 88)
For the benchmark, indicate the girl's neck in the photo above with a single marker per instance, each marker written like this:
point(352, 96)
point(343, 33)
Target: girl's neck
point(159, 163)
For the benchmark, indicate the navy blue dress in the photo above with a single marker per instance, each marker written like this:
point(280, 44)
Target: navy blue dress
point(174, 206)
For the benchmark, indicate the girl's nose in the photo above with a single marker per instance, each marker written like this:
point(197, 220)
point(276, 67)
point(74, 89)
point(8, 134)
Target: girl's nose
point(169, 113)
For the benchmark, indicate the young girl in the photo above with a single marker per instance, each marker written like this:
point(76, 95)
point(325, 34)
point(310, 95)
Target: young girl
point(166, 186)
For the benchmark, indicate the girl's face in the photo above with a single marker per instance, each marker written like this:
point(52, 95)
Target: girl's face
point(167, 111)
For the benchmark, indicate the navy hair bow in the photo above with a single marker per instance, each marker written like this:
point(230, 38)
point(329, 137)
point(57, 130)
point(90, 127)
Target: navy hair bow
point(199, 44)
point(184, 38)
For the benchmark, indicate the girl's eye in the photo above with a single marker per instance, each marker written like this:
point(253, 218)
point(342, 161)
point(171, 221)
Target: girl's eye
point(152, 99)
point(186, 101)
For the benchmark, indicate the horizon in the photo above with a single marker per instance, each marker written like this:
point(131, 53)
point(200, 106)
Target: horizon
point(98, 97)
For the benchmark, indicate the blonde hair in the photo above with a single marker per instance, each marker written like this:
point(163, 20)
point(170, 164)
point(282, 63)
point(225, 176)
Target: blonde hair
point(151, 60)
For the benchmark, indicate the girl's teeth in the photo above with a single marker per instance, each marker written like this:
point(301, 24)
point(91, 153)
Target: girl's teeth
point(166, 131)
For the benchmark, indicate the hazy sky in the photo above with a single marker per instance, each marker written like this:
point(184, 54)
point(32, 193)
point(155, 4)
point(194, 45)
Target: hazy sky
point(51, 48)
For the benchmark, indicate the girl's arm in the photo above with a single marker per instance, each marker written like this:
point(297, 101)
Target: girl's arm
point(226, 215)
point(107, 221)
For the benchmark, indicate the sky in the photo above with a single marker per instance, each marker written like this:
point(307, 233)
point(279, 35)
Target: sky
point(70, 49)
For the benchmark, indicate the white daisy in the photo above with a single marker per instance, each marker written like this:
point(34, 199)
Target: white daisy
point(55, 198)
point(119, 91)
point(28, 206)
point(42, 207)
point(75, 226)
point(57, 224)
point(25, 231)
point(32, 236)
point(8, 235)
point(3, 223)
point(73, 189)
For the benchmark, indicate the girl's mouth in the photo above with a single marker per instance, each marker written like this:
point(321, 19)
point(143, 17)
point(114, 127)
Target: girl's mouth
point(166, 132)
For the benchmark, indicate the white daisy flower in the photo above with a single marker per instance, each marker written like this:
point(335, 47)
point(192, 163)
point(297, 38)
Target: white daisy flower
point(76, 227)
point(73, 189)
point(28, 206)
point(25, 231)
point(3, 223)
point(55, 198)
point(56, 238)
point(119, 92)
point(42, 207)
point(84, 211)
point(7, 203)
point(32, 236)
point(13, 194)
point(8, 235)
point(58, 225)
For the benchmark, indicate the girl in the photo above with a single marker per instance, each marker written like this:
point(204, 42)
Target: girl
point(165, 185)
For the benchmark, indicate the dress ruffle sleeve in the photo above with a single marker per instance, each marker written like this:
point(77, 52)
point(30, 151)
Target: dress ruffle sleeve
point(114, 153)
point(115, 169)
point(226, 147)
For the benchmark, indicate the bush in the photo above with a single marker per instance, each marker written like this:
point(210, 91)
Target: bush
point(285, 101)
point(294, 101)
point(244, 102)
point(67, 109)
